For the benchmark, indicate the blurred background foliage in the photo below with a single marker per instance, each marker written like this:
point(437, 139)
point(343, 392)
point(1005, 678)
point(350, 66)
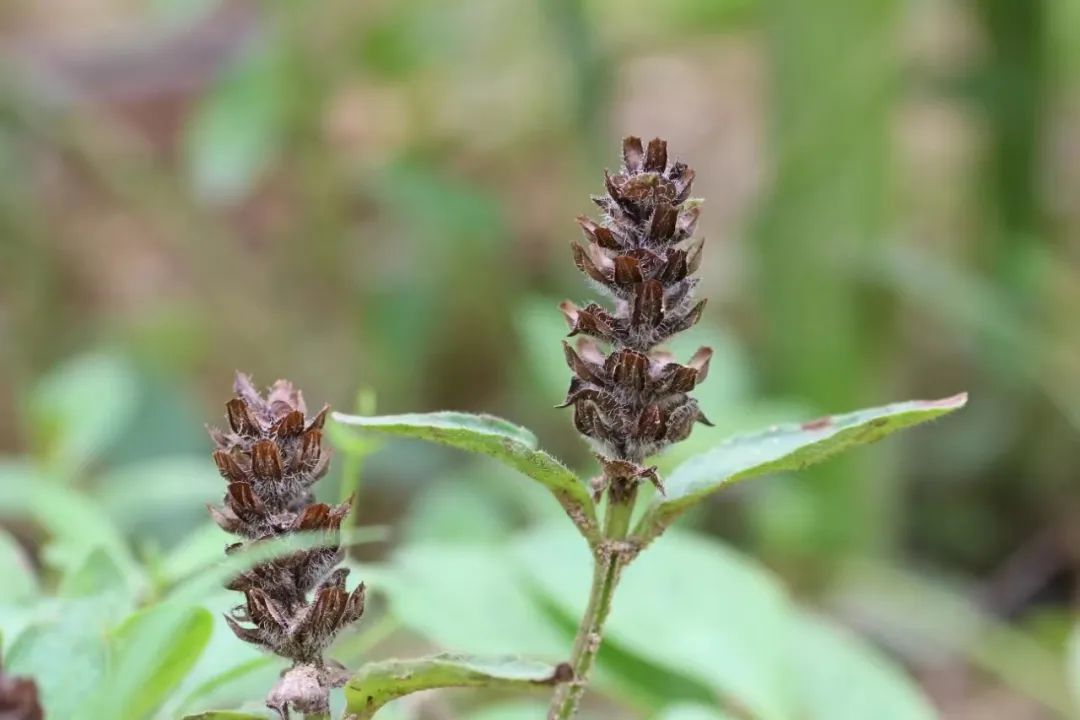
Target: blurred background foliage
point(379, 195)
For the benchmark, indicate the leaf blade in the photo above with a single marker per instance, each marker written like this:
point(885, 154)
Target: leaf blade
point(783, 447)
point(509, 443)
point(378, 683)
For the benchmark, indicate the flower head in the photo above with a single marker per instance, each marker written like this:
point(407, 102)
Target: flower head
point(634, 401)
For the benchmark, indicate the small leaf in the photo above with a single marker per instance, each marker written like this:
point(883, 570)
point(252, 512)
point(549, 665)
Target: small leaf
point(839, 677)
point(235, 131)
point(99, 578)
point(225, 715)
point(79, 409)
point(379, 683)
point(512, 444)
point(785, 447)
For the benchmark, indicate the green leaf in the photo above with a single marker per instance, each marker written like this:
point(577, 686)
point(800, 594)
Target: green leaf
point(161, 498)
point(379, 683)
point(785, 447)
point(226, 715)
point(20, 582)
point(690, 605)
point(469, 597)
point(101, 583)
point(79, 409)
point(149, 678)
point(693, 712)
point(75, 522)
point(67, 658)
point(839, 677)
point(503, 440)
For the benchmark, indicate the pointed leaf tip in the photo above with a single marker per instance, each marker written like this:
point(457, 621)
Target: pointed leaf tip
point(784, 447)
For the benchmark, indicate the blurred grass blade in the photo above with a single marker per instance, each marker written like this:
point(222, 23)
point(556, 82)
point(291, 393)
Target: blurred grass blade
point(148, 679)
point(379, 683)
point(784, 447)
point(502, 440)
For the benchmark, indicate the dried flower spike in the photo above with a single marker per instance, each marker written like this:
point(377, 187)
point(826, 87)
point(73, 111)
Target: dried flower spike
point(19, 698)
point(271, 456)
point(634, 401)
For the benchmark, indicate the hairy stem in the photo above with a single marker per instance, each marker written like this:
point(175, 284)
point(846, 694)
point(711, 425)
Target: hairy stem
point(610, 559)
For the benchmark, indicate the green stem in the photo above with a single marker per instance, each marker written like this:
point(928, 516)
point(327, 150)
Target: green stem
point(610, 559)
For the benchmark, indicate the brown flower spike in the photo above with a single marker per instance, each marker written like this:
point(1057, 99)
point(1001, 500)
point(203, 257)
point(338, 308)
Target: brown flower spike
point(294, 605)
point(634, 401)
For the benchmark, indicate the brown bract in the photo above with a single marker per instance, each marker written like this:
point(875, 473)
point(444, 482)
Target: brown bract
point(633, 401)
point(271, 455)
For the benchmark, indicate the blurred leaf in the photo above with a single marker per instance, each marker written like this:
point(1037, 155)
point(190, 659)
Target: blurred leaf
point(512, 444)
point(96, 575)
point(79, 409)
point(226, 715)
point(20, 581)
point(538, 323)
point(153, 678)
point(236, 130)
point(378, 683)
point(201, 548)
point(163, 497)
point(786, 447)
point(67, 658)
point(687, 604)
point(468, 597)
point(455, 512)
point(73, 519)
point(693, 712)
point(251, 668)
point(839, 677)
